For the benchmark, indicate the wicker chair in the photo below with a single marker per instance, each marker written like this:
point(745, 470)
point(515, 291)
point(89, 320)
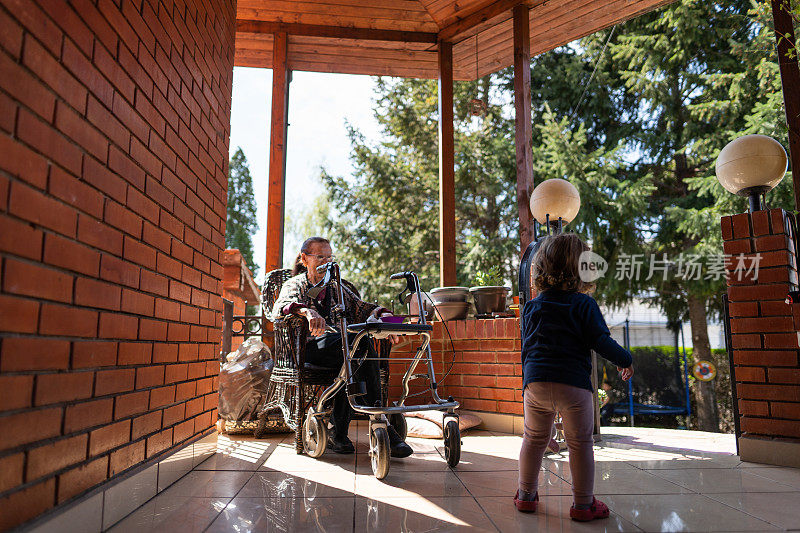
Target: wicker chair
point(295, 384)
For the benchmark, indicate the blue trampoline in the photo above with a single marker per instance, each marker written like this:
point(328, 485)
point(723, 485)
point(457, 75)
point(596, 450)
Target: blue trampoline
point(630, 408)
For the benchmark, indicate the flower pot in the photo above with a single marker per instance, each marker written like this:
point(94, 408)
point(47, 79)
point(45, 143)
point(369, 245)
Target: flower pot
point(489, 299)
point(449, 294)
point(451, 310)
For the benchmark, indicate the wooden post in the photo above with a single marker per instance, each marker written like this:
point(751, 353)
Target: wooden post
point(447, 189)
point(522, 119)
point(596, 433)
point(277, 153)
point(227, 329)
point(790, 82)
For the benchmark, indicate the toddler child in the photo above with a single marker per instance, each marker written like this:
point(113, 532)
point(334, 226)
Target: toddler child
point(560, 327)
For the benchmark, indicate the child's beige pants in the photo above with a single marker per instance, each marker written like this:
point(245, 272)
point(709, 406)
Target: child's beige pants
point(541, 401)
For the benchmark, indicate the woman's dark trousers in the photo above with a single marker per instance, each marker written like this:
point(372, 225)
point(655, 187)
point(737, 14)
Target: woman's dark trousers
point(326, 351)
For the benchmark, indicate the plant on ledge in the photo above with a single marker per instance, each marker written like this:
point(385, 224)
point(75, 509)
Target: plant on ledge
point(491, 277)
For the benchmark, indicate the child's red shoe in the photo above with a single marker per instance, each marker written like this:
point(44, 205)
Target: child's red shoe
point(526, 506)
point(597, 510)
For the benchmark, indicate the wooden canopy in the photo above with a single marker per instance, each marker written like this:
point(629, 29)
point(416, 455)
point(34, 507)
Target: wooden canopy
point(400, 37)
point(442, 39)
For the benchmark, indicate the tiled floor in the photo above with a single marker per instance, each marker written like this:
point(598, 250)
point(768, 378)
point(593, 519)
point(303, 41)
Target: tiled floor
point(653, 480)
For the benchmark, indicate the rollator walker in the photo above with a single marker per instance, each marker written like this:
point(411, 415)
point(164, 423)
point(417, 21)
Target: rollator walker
point(315, 424)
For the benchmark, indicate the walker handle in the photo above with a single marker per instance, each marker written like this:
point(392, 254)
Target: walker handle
point(400, 275)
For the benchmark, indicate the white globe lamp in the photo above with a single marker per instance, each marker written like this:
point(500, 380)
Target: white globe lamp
point(554, 203)
point(751, 166)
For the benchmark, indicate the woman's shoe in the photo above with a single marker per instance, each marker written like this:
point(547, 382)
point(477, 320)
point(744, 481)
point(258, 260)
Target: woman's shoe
point(597, 510)
point(341, 444)
point(397, 446)
point(526, 506)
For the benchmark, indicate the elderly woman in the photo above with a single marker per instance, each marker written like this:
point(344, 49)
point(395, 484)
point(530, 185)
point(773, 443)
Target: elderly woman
point(324, 347)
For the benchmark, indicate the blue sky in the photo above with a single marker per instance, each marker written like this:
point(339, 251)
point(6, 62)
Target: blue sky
point(319, 105)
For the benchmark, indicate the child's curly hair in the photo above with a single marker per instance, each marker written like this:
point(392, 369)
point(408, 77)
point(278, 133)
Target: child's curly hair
point(555, 264)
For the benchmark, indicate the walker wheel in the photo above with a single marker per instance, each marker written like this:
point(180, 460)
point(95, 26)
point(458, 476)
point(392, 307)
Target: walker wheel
point(379, 452)
point(398, 422)
point(452, 443)
point(315, 435)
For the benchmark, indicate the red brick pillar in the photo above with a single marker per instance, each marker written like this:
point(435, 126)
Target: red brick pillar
point(114, 129)
point(764, 336)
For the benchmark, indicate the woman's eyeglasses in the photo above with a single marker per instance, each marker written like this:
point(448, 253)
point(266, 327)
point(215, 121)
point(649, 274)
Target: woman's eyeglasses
point(326, 258)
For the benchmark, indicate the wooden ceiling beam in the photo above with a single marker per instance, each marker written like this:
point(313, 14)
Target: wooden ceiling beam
point(480, 18)
point(338, 32)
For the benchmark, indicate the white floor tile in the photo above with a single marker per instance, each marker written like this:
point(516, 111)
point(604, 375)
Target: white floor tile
point(129, 494)
point(420, 514)
point(401, 484)
point(172, 515)
point(552, 514)
point(256, 515)
point(711, 481)
point(505, 483)
point(681, 512)
point(209, 484)
point(781, 509)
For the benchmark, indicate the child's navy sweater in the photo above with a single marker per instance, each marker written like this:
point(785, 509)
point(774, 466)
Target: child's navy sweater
point(560, 329)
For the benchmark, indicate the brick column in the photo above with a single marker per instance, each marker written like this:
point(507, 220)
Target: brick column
point(764, 337)
point(114, 128)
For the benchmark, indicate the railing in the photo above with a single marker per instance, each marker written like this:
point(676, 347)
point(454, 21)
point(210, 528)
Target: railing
point(729, 349)
point(239, 326)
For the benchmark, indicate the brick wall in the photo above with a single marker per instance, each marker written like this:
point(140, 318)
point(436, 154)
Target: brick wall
point(114, 127)
point(763, 327)
point(487, 372)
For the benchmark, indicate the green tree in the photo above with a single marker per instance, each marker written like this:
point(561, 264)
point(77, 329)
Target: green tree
point(614, 198)
point(241, 221)
point(695, 90)
point(758, 84)
point(581, 115)
point(634, 117)
point(657, 122)
point(388, 213)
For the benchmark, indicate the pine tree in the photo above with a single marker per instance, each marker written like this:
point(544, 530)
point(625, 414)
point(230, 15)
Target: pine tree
point(388, 214)
point(685, 116)
point(242, 222)
point(633, 116)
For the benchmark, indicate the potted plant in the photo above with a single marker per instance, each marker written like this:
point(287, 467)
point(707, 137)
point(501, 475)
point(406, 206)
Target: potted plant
point(489, 293)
